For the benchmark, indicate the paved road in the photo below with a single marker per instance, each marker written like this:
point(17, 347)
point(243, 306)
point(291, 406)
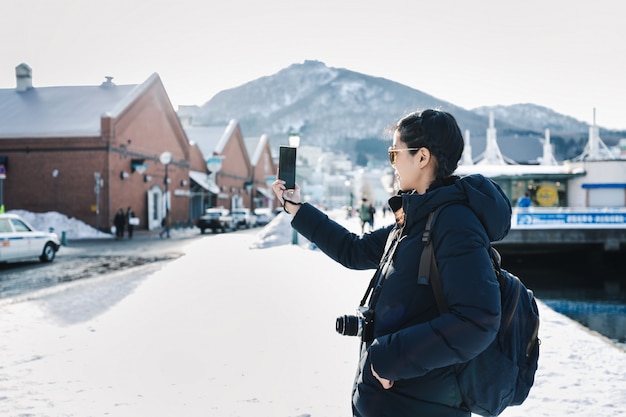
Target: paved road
point(86, 258)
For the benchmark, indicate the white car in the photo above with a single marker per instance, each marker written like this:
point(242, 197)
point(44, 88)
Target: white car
point(244, 218)
point(217, 218)
point(263, 215)
point(20, 241)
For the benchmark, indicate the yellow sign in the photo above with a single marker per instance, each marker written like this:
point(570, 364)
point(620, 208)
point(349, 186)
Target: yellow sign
point(547, 196)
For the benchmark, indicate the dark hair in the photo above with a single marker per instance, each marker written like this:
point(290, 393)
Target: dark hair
point(437, 131)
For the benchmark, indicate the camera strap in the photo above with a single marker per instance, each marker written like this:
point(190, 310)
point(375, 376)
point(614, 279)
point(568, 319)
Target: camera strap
point(378, 279)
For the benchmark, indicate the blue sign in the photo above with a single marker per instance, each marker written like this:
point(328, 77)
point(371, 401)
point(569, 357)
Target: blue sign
point(581, 218)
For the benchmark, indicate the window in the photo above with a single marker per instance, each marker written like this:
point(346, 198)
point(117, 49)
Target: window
point(5, 227)
point(19, 226)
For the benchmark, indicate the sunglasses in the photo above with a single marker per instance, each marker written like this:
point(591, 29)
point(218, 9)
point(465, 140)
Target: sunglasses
point(393, 152)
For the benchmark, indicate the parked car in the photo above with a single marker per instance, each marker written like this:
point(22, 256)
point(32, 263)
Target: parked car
point(20, 241)
point(263, 216)
point(244, 217)
point(216, 219)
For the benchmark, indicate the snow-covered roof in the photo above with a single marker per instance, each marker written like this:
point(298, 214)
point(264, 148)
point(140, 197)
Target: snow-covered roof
point(228, 132)
point(206, 137)
point(66, 111)
point(254, 147)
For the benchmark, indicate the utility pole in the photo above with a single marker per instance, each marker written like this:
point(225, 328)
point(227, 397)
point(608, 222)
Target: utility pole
point(99, 184)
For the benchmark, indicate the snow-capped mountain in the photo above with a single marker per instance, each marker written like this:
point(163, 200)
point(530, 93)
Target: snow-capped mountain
point(344, 110)
point(325, 105)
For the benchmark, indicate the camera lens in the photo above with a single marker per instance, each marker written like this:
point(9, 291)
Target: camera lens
point(348, 325)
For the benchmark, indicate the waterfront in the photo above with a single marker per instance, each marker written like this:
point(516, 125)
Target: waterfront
point(602, 313)
point(580, 286)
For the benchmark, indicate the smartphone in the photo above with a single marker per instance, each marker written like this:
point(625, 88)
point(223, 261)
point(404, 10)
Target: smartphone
point(287, 166)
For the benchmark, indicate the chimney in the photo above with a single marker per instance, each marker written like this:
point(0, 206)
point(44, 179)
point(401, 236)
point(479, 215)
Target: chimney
point(108, 82)
point(24, 77)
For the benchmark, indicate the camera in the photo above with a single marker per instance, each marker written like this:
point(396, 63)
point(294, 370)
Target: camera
point(361, 324)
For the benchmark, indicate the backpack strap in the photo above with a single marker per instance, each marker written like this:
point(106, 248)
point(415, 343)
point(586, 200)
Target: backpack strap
point(496, 260)
point(428, 267)
point(429, 272)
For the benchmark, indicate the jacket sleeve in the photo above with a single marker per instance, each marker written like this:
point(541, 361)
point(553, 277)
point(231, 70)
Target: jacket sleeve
point(472, 294)
point(349, 249)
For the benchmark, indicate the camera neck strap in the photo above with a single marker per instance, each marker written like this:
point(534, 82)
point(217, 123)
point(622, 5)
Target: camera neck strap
point(378, 279)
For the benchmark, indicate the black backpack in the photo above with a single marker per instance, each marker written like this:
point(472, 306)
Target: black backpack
point(502, 374)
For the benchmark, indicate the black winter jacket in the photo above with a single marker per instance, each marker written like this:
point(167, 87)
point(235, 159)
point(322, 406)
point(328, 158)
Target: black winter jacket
point(414, 345)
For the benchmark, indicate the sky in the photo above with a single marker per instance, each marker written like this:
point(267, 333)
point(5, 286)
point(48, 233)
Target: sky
point(252, 338)
point(568, 56)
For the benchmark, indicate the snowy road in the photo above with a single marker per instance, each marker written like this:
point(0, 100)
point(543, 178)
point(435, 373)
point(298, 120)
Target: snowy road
point(91, 257)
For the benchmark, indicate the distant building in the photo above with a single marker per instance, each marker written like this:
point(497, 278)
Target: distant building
point(263, 173)
point(593, 179)
point(243, 168)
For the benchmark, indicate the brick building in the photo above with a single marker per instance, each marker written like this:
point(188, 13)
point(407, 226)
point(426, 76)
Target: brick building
point(86, 151)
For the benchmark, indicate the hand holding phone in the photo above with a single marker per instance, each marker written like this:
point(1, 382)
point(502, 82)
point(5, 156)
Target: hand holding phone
point(287, 166)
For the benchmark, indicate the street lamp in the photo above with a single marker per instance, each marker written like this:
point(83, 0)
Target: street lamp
point(99, 184)
point(294, 142)
point(269, 180)
point(213, 164)
point(166, 159)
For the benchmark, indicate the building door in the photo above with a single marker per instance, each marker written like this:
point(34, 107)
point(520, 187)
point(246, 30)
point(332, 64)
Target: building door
point(236, 201)
point(156, 207)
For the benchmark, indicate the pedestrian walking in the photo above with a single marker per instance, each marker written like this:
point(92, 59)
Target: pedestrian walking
point(166, 222)
point(119, 221)
point(364, 214)
point(372, 212)
point(130, 221)
point(409, 351)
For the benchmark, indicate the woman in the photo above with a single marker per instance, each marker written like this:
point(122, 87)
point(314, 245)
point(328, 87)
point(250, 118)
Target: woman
point(407, 367)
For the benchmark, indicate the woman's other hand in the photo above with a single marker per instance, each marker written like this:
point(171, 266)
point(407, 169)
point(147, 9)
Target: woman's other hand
point(386, 384)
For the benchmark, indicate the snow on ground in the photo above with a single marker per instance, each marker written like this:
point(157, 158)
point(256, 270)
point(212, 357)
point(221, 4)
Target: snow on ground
point(59, 223)
point(279, 232)
point(252, 335)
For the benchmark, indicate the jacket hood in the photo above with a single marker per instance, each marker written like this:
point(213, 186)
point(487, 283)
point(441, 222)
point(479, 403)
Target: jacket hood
point(481, 194)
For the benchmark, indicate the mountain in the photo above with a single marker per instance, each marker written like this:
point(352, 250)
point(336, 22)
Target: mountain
point(343, 110)
point(325, 105)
